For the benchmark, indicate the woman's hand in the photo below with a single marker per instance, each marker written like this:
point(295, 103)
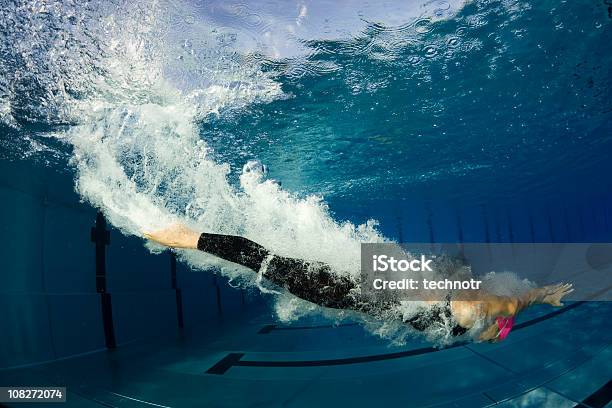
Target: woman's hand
point(553, 294)
point(174, 236)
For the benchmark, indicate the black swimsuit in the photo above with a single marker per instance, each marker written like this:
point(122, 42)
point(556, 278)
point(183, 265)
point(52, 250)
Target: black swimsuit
point(313, 281)
point(436, 314)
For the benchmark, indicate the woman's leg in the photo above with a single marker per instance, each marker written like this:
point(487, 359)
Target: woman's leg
point(311, 281)
point(234, 249)
point(314, 282)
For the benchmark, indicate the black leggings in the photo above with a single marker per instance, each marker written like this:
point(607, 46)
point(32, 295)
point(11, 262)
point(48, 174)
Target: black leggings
point(311, 281)
point(315, 282)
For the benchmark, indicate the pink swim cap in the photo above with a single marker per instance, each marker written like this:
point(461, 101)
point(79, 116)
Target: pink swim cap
point(505, 325)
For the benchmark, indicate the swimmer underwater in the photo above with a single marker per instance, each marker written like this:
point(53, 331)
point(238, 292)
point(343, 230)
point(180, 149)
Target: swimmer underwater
point(317, 283)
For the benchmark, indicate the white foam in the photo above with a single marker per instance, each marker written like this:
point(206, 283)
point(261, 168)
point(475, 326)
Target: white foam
point(136, 86)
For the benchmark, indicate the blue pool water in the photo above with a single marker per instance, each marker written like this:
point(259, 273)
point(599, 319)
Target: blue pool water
point(486, 121)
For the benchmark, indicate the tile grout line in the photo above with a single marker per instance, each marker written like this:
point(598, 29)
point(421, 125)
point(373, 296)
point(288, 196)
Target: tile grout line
point(467, 346)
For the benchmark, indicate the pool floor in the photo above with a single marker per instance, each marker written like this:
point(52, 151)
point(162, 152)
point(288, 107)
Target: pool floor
point(553, 357)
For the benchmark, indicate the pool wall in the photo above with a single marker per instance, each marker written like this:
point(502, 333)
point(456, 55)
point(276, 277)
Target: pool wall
point(52, 301)
point(51, 305)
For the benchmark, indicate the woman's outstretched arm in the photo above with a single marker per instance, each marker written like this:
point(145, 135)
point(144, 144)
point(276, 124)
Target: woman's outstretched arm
point(511, 306)
point(486, 306)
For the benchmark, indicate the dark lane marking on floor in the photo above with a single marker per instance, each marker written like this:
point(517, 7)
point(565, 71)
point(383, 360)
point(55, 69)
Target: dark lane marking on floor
point(235, 359)
point(272, 327)
point(599, 398)
point(225, 363)
point(266, 329)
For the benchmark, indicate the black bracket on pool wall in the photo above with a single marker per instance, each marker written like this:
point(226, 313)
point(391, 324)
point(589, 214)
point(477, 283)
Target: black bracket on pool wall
point(218, 292)
point(177, 290)
point(101, 237)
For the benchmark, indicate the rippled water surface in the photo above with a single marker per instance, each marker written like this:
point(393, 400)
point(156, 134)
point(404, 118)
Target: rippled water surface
point(514, 94)
point(338, 98)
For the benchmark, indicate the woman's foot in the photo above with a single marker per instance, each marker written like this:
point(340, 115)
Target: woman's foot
point(174, 236)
